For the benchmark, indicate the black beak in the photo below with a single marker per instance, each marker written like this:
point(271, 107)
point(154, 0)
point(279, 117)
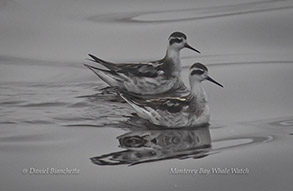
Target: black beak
point(214, 81)
point(190, 47)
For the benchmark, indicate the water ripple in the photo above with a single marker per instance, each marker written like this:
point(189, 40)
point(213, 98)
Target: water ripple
point(45, 104)
point(246, 63)
point(286, 123)
point(235, 142)
point(166, 16)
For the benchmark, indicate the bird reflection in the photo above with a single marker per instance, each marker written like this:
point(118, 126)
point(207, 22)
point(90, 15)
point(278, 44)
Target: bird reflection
point(150, 144)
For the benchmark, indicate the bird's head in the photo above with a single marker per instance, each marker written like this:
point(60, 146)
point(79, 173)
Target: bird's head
point(178, 41)
point(199, 73)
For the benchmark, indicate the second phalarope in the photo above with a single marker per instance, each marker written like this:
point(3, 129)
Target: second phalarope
point(147, 78)
point(186, 111)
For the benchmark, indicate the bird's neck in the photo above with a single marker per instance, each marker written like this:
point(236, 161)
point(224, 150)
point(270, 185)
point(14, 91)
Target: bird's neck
point(198, 92)
point(173, 56)
point(172, 53)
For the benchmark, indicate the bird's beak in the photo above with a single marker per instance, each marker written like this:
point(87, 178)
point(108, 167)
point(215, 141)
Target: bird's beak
point(214, 81)
point(190, 47)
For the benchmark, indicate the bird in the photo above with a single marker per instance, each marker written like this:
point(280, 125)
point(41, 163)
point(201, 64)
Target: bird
point(146, 78)
point(190, 110)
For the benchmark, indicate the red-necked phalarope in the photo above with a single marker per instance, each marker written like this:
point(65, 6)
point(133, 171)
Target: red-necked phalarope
point(147, 78)
point(186, 111)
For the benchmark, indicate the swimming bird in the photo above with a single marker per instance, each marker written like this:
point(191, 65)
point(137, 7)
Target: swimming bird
point(146, 78)
point(174, 112)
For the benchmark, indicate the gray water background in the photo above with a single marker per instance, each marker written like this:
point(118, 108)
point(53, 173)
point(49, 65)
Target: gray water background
point(52, 114)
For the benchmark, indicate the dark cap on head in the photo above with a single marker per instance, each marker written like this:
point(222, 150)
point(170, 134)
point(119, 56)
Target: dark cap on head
point(178, 34)
point(199, 65)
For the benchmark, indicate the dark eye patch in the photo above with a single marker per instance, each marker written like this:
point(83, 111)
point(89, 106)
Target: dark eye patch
point(175, 40)
point(198, 72)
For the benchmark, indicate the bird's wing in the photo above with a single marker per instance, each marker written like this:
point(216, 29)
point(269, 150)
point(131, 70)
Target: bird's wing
point(170, 104)
point(140, 70)
point(151, 69)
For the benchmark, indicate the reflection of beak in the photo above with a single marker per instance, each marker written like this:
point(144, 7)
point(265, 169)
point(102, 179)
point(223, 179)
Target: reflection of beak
point(214, 81)
point(190, 47)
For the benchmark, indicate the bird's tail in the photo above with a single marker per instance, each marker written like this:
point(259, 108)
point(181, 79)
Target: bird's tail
point(137, 104)
point(108, 76)
point(108, 65)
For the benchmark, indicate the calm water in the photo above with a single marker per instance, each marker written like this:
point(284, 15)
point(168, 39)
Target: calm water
point(59, 132)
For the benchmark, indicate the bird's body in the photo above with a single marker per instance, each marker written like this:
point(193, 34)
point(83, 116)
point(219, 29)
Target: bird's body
point(146, 78)
point(175, 112)
point(171, 112)
point(142, 78)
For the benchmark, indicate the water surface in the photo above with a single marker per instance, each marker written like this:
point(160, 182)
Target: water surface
point(54, 116)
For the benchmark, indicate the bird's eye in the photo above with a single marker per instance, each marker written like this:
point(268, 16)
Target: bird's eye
point(175, 40)
point(198, 72)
